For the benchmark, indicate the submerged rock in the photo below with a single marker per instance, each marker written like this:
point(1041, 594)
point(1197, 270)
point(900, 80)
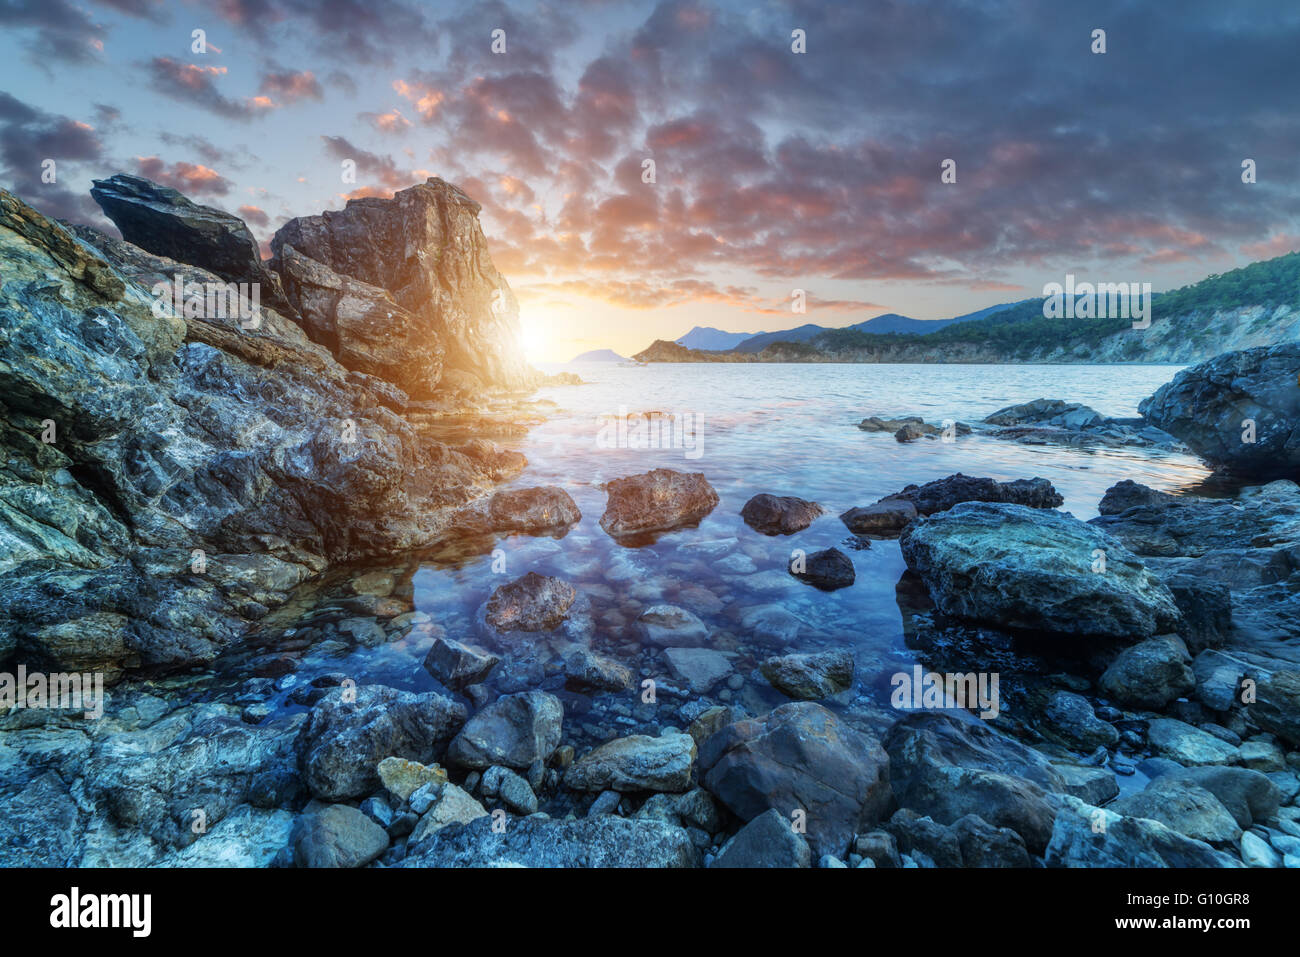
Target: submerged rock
point(701, 668)
point(800, 757)
point(1031, 569)
point(671, 627)
point(531, 603)
point(810, 676)
point(1237, 410)
point(655, 501)
point(779, 515)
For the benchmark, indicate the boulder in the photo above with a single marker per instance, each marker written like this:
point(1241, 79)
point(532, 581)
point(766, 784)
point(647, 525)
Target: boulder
point(160, 220)
point(942, 494)
point(1186, 744)
point(635, 763)
point(945, 768)
point(1088, 836)
point(828, 569)
point(810, 676)
point(1211, 405)
point(515, 730)
point(531, 603)
point(362, 325)
point(1184, 807)
point(799, 757)
point(547, 508)
point(656, 501)
point(1032, 569)
point(587, 671)
point(350, 731)
point(1150, 674)
point(336, 836)
point(1249, 796)
point(458, 665)
point(769, 840)
point(451, 805)
point(1049, 412)
point(884, 519)
point(779, 515)
point(1277, 704)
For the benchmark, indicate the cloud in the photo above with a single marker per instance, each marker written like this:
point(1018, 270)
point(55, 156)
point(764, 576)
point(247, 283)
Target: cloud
point(192, 179)
point(196, 85)
point(254, 215)
point(289, 87)
point(29, 139)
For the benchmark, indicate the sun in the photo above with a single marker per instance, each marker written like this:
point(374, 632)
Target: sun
point(541, 331)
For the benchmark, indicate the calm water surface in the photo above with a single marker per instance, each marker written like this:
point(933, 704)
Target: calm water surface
point(784, 429)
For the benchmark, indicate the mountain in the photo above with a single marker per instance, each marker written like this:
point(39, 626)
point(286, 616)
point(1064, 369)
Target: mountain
point(712, 340)
point(599, 355)
point(1256, 305)
point(761, 341)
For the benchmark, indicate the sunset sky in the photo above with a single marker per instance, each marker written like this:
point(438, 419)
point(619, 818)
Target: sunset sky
point(775, 170)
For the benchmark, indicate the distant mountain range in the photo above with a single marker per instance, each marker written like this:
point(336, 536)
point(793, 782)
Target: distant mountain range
point(708, 339)
point(713, 340)
point(599, 355)
point(1256, 305)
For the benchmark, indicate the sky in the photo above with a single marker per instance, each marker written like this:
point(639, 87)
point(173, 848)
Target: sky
point(774, 170)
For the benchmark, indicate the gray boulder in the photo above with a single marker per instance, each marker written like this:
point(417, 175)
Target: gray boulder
point(769, 840)
point(1209, 405)
point(1033, 569)
point(514, 731)
point(336, 836)
point(349, 731)
point(799, 757)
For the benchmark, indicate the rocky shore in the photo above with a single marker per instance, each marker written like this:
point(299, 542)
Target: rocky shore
point(227, 517)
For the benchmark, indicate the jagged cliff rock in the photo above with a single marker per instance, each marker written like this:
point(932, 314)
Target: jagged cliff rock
point(361, 324)
point(426, 248)
point(162, 221)
point(166, 480)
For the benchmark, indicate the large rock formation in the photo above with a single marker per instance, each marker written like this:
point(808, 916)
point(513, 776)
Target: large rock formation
point(1037, 570)
point(166, 480)
point(1238, 410)
point(425, 247)
point(162, 221)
